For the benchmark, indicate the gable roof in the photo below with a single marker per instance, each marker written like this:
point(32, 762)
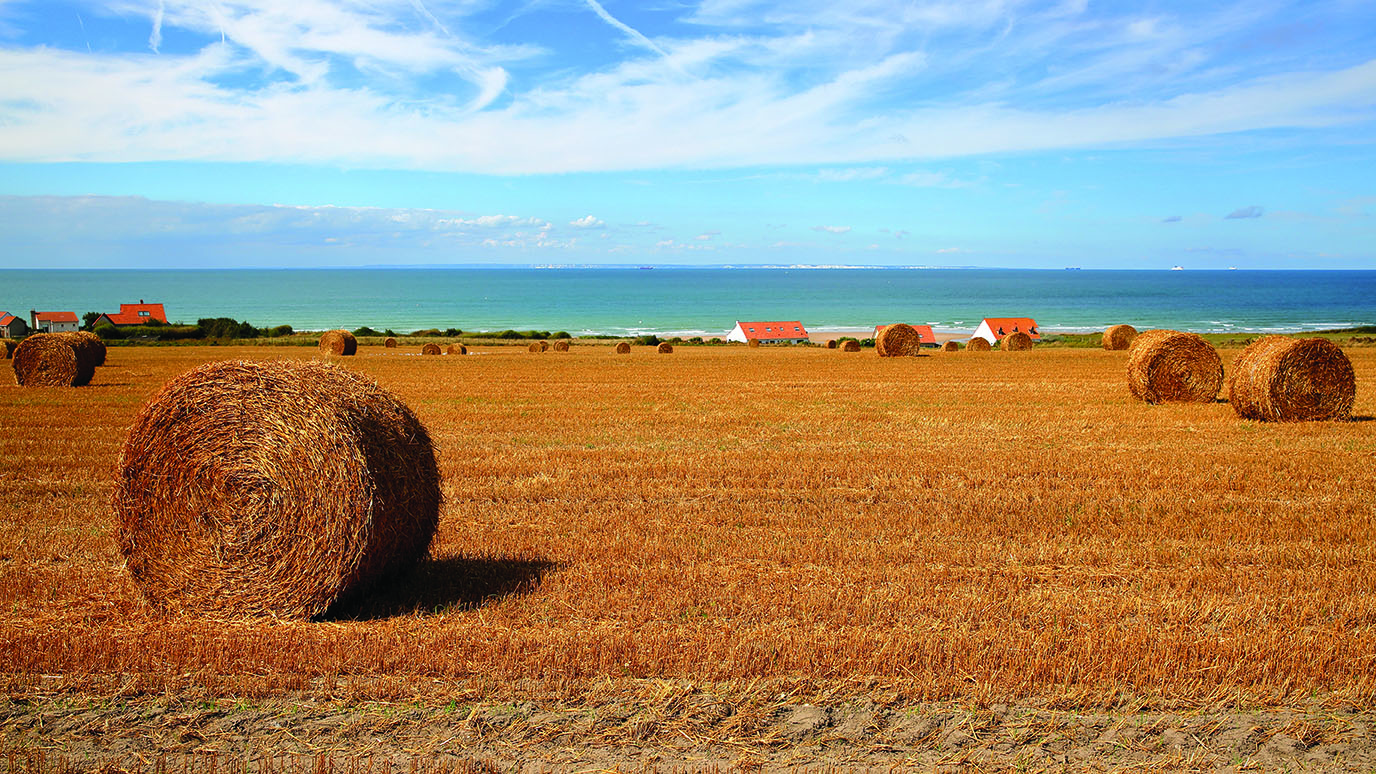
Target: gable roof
point(6, 318)
point(786, 329)
point(924, 332)
point(55, 317)
point(1004, 326)
point(137, 314)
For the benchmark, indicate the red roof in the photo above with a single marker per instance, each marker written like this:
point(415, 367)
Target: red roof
point(55, 317)
point(137, 314)
point(924, 333)
point(787, 329)
point(6, 318)
point(1005, 326)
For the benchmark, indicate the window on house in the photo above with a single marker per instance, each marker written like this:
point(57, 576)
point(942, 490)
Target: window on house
point(143, 313)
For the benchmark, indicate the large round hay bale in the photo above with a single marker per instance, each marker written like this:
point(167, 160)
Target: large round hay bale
point(1119, 337)
point(7, 348)
point(665, 348)
point(898, 340)
point(831, 343)
point(458, 349)
point(1283, 379)
point(52, 360)
point(338, 343)
point(562, 345)
point(951, 345)
point(851, 346)
point(534, 346)
point(92, 345)
point(978, 344)
point(1173, 366)
point(753, 343)
point(1016, 341)
point(623, 348)
point(431, 348)
point(390, 342)
point(272, 488)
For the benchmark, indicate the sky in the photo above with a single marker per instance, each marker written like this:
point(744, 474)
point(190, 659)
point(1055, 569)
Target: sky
point(1136, 135)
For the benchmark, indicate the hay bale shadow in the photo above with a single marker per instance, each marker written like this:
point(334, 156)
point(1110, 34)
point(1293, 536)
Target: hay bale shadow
point(448, 585)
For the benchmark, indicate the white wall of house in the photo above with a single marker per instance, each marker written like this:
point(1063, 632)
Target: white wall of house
point(737, 334)
point(984, 332)
point(45, 326)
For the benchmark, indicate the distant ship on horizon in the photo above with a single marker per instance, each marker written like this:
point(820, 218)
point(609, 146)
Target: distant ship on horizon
point(1177, 268)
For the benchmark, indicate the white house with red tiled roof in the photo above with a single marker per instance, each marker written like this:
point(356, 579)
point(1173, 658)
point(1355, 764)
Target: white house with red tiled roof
point(925, 336)
point(55, 322)
point(993, 329)
point(786, 332)
point(134, 314)
point(12, 327)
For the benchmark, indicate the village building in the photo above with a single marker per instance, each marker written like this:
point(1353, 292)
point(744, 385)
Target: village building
point(12, 327)
point(925, 336)
point(993, 329)
point(133, 314)
point(787, 332)
point(54, 322)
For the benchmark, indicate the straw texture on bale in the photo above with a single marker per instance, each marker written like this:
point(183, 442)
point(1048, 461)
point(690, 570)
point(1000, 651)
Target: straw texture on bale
point(92, 344)
point(7, 348)
point(272, 488)
point(431, 348)
point(831, 343)
point(1168, 366)
point(1283, 379)
point(561, 345)
point(339, 343)
point(1119, 337)
point(534, 346)
point(623, 348)
point(390, 342)
point(52, 360)
point(978, 344)
point(458, 349)
point(1016, 342)
point(898, 340)
point(951, 346)
point(850, 346)
point(753, 343)
point(665, 348)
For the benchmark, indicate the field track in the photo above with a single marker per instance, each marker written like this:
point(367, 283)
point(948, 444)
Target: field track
point(975, 529)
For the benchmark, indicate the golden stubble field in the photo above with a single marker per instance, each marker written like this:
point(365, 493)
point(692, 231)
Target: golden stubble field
point(974, 527)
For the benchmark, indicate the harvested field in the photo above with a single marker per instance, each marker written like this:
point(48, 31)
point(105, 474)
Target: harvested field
point(1147, 581)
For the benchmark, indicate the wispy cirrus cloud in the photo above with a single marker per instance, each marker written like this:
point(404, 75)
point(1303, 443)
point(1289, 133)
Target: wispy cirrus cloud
point(832, 229)
point(1245, 213)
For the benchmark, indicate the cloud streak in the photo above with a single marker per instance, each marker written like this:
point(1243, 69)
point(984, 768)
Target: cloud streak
point(1245, 213)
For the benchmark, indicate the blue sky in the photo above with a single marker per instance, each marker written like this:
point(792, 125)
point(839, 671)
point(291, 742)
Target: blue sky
point(175, 133)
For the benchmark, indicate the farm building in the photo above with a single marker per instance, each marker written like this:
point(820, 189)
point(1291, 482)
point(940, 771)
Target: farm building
point(993, 329)
point(134, 314)
point(788, 332)
point(12, 327)
point(925, 336)
point(54, 322)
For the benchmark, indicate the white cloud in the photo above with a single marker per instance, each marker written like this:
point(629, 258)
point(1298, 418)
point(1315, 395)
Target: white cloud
point(587, 221)
point(945, 250)
point(832, 229)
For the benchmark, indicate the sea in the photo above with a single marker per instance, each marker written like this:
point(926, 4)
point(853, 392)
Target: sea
point(708, 301)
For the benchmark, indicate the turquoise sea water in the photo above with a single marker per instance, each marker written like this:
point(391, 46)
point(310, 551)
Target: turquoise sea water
point(709, 301)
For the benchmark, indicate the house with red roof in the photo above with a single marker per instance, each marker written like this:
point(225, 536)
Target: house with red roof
point(994, 329)
point(12, 327)
point(133, 314)
point(925, 336)
point(54, 322)
point(786, 332)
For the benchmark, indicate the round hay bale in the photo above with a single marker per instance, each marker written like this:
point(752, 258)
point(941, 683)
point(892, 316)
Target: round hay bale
point(850, 346)
point(7, 348)
point(390, 342)
point(561, 345)
point(1016, 342)
point(951, 346)
point(1119, 337)
point(831, 343)
point(665, 348)
point(978, 344)
point(898, 340)
point(753, 343)
point(623, 348)
point(272, 488)
point(338, 343)
point(534, 346)
point(1283, 379)
point(52, 360)
point(458, 349)
point(91, 343)
point(431, 348)
point(1173, 366)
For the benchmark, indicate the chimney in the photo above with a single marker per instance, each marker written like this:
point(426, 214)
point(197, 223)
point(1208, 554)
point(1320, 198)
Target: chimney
point(140, 301)
point(33, 320)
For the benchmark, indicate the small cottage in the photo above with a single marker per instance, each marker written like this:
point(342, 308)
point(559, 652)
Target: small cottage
point(993, 329)
point(54, 322)
point(788, 332)
point(134, 314)
point(12, 327)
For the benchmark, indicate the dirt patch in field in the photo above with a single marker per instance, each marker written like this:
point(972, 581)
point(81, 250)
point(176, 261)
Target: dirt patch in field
point(690, 729)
